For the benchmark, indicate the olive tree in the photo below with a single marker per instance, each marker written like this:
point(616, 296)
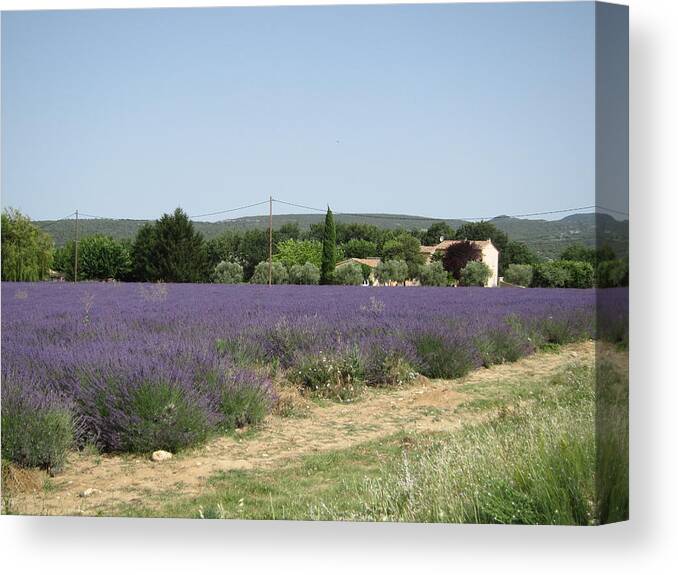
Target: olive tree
point(278, 273)
point(392, 271)
point(349, 273)
point(519, 274)
point(475, 274)
point(228, 273)
point(307, 274)
point(433, 274)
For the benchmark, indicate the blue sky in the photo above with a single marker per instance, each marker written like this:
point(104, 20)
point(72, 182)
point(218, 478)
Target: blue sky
point(444, 110)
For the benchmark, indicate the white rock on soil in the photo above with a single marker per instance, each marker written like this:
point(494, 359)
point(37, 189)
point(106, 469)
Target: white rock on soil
point(89, 492)
point(161, 455)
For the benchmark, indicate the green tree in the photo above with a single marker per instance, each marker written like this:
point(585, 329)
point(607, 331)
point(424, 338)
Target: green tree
point(306, 274)
point(457, 255)
point(433, 274)
point(392, 271)
point(579, 253)
point(225, 248)
point(475, 274)
point(407, 248)
point(288, 231)
point(102, 257)
point(612, 273)
point(563, 273)
point(142, 253)
point(519, 274)
point(486, 231)
point(349, 273)
point(64, 259)
point(27, 251)
point(227, 273)
point(517, 253)
point(278, 273)
point(367, 273)
point(171, 250)
point(436, 231)
point(359, 248)
point(297, 252)
point(329, 249)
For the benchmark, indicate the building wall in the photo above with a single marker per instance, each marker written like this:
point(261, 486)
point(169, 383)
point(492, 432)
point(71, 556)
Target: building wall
point(491, 259)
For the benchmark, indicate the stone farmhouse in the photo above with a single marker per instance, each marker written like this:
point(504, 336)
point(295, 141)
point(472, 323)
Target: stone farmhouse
point(490, 257)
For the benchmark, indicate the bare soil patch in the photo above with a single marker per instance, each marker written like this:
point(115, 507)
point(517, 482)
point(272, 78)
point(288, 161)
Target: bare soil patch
point(426, 405)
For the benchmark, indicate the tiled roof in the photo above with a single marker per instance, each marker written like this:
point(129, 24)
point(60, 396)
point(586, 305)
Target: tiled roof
point(372, 262)
point(447, 243)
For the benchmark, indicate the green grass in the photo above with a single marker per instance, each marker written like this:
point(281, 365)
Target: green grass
point(287, 492)
point(534, 462)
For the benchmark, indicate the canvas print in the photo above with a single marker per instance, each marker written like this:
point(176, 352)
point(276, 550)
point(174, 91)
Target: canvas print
point(338, 263)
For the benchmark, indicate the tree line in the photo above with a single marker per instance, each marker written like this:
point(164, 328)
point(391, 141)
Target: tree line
point(171, 250)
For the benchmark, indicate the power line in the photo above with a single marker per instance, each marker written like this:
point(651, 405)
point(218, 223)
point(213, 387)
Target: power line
point(299, 205)
point(613, 211)
point(47, 225)
point(231, 210)
point(420, 219)
point(405, 217)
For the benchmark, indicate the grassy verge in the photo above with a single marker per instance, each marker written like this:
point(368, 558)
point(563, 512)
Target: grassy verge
point(534, 461)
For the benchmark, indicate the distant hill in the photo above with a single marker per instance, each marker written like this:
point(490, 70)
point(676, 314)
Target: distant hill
point(547, 237)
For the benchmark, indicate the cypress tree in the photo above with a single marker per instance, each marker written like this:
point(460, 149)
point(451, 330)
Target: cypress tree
point(329, 250)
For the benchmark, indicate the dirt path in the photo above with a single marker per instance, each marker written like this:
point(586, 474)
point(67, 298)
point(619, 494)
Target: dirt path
point(428, 405)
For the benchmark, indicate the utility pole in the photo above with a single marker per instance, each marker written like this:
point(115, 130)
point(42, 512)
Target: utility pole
point(75, 274)
point(270, 240)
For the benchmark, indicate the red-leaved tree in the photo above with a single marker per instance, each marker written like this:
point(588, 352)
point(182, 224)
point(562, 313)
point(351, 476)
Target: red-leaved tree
point(457, 255)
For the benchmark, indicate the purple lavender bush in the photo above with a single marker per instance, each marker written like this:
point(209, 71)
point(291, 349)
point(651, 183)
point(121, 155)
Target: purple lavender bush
point(141, 366)
point(37, 424)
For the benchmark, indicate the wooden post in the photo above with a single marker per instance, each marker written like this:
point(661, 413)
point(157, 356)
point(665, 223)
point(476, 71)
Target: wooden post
point(75, 274)
point(270, 240)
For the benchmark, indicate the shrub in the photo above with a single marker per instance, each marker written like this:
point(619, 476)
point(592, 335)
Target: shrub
point(243, 406)
point(160, 416)
point(338, 377)
point(550, 275)
point(387, 368)
point(307, 274)
point(278, 273)
point(581, 274)
point(501, 346)
point(228, 273)
point(440, 359)
point(475, 274)
point(564, 274)
point(612, 273)
point(37, 428)
point(350, 273)
point(433, 274)
point(240, 350)
point(140, 413)
point(519, 274)
point(283, 341)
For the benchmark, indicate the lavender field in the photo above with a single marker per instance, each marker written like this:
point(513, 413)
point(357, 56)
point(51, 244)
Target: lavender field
point(137, 367)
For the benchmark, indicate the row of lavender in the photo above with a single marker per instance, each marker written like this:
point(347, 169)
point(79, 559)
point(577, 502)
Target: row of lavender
point(135, 367)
